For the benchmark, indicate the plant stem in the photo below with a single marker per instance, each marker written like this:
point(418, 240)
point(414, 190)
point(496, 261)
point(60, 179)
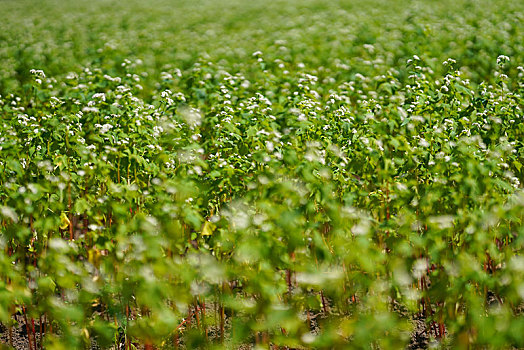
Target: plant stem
point(28, 330)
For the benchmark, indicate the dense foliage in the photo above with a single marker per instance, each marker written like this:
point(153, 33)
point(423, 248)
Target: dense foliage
point(277, 174)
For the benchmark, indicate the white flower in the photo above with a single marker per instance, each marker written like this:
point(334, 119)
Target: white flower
point(104, 128)
point(166, 93)
point(157, 130)
point(38, 73)
point(502, 59)
point(165, 76)
point(99, 96)
point(192, 117)
point(423, 143)
point(90, 109)
point(419, 268)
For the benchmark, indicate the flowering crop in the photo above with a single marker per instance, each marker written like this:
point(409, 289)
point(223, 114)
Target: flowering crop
point(287, 175)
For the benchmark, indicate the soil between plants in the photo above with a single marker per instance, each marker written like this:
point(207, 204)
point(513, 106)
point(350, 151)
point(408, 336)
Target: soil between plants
point(19, 338)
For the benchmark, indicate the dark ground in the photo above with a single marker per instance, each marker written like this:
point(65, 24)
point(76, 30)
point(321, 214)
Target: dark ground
point(419, 337)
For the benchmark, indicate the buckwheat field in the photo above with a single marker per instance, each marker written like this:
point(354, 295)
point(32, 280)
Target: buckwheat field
point(201, 174)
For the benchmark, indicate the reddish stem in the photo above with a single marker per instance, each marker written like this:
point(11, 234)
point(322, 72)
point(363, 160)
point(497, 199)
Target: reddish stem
point(27, 328)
